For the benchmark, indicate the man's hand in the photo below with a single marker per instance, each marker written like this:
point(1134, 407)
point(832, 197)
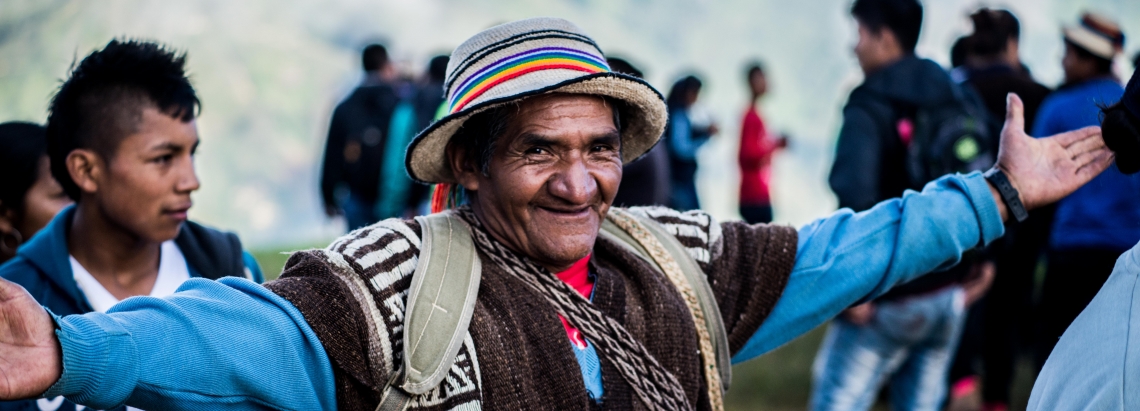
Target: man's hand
point(30, 357)
point(1047, 169)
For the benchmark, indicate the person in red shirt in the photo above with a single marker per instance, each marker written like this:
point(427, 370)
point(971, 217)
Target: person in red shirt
point(756, 149)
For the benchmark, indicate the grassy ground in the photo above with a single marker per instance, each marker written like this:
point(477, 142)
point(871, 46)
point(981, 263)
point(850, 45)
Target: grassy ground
point(780, 380)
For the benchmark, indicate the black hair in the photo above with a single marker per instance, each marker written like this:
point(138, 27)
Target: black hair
point(680, 91)
point(992, 31)
point(901, 17)
point(960, 51)
point(374, 57)
point(1136, 61)
point(437, 69)
point(752, 69)
point(623, 66)
point(102, 101)
point(479, 135)
point(1103, 65)
point(22, 145)
point(1121, 131)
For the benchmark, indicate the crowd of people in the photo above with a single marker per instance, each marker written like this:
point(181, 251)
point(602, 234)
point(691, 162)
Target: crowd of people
point(553, 192)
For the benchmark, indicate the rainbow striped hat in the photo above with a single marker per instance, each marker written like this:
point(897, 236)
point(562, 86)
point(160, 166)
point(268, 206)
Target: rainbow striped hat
point(513, 61)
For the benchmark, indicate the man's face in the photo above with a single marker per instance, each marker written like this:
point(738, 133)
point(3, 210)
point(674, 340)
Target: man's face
point(551, 179)
point(876, 48)
point(147, 184)
point(758, 82)
point(1077, 69)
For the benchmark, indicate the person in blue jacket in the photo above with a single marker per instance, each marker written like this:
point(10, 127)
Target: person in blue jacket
point(121, 139)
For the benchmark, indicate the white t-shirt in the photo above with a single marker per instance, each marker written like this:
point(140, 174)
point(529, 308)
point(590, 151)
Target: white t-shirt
point(172, 272)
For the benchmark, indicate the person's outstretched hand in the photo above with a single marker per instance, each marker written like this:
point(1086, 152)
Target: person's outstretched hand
point(30, 357)
point(1044, 170)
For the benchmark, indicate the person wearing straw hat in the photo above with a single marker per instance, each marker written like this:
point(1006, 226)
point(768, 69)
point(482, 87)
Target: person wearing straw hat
point(568, 312)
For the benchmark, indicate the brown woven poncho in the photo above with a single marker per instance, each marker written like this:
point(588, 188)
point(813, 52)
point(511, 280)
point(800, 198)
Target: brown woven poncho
point(517, 355)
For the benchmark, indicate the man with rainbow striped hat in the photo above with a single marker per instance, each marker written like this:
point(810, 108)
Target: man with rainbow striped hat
point(530, 291)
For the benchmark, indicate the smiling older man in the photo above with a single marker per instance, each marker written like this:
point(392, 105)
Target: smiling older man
point(566, 316)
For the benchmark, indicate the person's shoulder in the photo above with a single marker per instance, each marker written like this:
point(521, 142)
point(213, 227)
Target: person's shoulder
point(19, 270)
point(697, 230)
point(381, 253)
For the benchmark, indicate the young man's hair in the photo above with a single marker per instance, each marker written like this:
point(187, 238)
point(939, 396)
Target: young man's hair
point(1103, 65)
point(901, 17)
point(992, 31)
point(374, 57)
point(1121, 132)
point(753, 69)
point(960, 51)
point(102, 101)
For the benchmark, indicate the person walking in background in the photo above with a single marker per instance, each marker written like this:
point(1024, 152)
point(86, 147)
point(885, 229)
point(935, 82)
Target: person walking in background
point(419, 104)
point(29, 195)
point(644, 182)
point(354, 151)
point(997, 327)
point(756, 149)
point(1096, 224)
point(908, 336)
point(121, 136)
point(684, 138)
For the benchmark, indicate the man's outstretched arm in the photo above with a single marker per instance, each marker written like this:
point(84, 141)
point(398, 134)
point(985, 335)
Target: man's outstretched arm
point(850, 257)
point(229, 344)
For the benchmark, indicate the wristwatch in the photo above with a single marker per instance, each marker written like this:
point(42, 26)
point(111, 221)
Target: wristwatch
point(1009, 195)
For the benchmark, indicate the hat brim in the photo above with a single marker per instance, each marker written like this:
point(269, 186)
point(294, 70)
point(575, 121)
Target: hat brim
point(1094, 43)
point(644, 117)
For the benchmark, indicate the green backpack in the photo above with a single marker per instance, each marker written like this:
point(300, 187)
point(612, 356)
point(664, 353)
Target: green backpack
point(445, 284)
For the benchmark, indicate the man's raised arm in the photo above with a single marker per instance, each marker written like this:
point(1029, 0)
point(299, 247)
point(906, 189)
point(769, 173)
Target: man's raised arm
point(851, 257)
point(229, 344)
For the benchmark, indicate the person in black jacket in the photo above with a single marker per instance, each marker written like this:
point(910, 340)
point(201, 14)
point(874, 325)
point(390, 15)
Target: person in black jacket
point(354, 151)
point(121, 137)
point(993, 69)
point(908, 336)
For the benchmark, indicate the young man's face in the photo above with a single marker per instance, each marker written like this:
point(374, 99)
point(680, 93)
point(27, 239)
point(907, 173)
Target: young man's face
point(146, 186)
point(876, 48)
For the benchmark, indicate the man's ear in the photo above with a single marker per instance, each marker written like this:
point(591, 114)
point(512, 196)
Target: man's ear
point(86, 169)
point(463, 167)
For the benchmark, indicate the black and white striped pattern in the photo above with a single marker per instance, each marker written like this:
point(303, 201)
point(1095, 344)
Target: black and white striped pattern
point(656, 387)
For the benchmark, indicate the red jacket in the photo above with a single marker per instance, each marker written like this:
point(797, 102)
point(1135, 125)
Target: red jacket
point(756, 148)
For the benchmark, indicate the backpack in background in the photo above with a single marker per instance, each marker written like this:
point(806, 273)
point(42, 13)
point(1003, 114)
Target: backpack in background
point(958, 136)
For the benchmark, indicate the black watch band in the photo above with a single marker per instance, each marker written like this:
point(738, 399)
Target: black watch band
point(1009, 195)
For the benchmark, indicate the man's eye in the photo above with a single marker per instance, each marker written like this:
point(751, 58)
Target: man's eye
point(602, 148)
point(164, 159)
point(536, 151)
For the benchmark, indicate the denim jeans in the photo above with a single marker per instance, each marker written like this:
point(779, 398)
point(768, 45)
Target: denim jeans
point(909, 343)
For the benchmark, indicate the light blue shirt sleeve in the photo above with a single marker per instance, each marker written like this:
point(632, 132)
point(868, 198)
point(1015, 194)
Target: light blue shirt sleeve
point(852, 257)
point(1096, 363)
point(220, 345)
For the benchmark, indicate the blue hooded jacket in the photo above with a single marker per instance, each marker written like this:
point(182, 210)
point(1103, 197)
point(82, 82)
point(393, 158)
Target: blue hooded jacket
point(42, 266)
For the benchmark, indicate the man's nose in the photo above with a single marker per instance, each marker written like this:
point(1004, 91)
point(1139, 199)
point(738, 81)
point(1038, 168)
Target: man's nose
point(573, 183)
point(187, 178)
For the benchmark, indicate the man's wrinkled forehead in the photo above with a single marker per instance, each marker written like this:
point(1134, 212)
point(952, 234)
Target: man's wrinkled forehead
point(563, 115)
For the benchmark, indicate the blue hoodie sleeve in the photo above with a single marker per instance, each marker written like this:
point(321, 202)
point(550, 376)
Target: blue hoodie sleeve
point(851, 257)
point(226, 344)
point(250, 263)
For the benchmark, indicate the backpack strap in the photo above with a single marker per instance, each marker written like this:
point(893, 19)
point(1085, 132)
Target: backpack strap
point(649, 241)
point(440, 304)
